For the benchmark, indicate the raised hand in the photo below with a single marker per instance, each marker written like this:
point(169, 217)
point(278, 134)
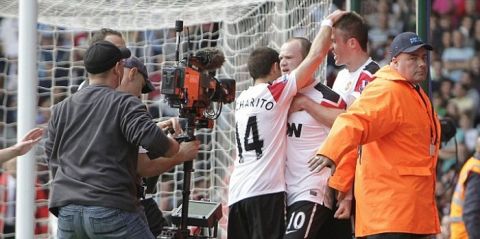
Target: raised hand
point(22, 147)
point(28, 141)
point(335, 15)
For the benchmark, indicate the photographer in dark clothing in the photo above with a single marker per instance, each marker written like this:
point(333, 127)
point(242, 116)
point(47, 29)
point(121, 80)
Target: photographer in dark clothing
point(92, 148)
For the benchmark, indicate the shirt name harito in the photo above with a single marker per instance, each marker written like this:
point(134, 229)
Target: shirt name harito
point(255, 102)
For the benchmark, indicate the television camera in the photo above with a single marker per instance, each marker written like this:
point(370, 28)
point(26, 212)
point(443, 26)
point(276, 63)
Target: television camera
point(190, 85)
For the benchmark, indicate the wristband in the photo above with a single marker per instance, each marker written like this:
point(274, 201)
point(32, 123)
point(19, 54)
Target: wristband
point(327, 22)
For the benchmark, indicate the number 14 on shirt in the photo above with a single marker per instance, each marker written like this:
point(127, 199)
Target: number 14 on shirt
point(251, 140)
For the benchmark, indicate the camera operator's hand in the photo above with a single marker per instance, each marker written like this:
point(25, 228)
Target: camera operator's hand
point(188, 151)
point(171, 124)
point(149, 168)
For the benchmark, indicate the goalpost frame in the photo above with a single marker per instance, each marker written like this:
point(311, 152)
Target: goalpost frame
point(424, 8)
point(27, 98)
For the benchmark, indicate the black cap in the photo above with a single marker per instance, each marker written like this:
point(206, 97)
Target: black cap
point(135, 62)
point(407, 42)
point(102, 56)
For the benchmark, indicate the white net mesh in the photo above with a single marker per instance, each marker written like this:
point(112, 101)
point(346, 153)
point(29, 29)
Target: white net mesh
point(235, 27)
point(134, 15)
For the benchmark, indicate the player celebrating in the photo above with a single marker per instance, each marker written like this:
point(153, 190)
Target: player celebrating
point(310, 202)
point(257, 184)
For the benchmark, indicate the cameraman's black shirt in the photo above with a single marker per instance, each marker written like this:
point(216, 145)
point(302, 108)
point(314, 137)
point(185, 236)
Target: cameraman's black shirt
point(92, 148)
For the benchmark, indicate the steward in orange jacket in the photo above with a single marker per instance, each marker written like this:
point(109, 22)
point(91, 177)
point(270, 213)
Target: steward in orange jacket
point(465, 207)
point(394, 122)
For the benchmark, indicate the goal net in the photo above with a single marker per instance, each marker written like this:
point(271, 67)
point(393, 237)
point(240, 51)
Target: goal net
point(234, 27)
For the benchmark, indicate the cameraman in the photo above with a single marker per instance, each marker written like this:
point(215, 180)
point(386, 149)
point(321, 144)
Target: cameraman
point(135, 82)
point(104, 34)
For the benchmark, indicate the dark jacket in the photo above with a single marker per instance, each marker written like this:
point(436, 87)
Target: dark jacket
point(92, 148)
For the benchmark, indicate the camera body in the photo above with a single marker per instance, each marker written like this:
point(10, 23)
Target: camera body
point(191, 88)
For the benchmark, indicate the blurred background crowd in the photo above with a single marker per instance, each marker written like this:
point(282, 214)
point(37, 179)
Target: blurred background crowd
point(454, 74)
point(454, 70)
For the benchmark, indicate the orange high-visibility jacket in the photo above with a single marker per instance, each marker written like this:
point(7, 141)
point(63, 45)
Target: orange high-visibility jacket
point(457, 226)
point(395, 173)
point(342, 179)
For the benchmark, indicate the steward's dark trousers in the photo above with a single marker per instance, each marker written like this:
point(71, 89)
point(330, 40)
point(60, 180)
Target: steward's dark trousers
point(397, 236)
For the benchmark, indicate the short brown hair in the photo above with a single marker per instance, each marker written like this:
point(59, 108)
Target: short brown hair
point(304, 43)
point(261, 61)
point(101, 34)
point(353, 25)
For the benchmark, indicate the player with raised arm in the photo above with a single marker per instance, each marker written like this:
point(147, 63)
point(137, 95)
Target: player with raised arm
point(309, 200)
point(257, 184)
point(312, 115)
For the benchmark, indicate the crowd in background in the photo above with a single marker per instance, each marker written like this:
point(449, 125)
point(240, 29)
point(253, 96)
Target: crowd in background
point(454, 74)
point(454, 70)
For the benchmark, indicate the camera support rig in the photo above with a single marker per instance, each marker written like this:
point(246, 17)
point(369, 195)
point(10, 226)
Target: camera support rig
point(204, 214)
point(187, 172)
point(190, 85)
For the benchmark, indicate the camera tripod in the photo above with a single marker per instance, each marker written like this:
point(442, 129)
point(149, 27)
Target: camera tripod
point(205, 214)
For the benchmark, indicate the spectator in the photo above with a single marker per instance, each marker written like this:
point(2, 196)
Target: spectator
point(379, 35)
point(472, 8)
point(445, 89)
point(7, 184)
point(470, 134)
point(446, 42)
point(466, 27)
point(437, 73)
point(22, 147)
point(436, 31)
point(475, 72)
point(472, 93)
point(457, 58)
point(476, 35)
point(443, 6)
point(464, 102)
point(454, 149)
point(439, 104)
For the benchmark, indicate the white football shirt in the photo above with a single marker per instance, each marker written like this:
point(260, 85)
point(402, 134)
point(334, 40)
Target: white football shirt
point(260, 120)
point(304, 137)
point(350, 84)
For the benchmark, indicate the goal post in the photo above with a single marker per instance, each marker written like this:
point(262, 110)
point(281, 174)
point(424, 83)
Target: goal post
point(26, 118)
point(234, 27)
